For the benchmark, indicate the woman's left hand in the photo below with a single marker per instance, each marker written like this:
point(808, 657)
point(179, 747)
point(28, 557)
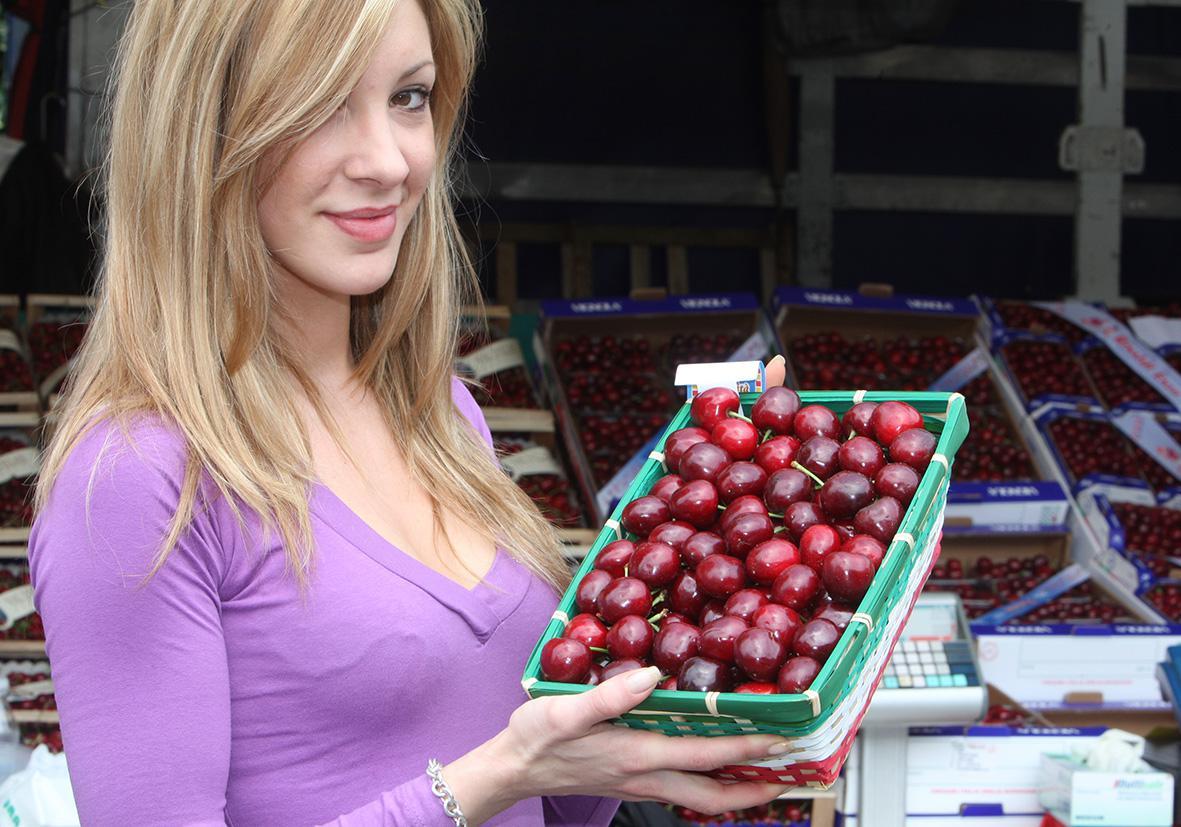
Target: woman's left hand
point(776, 371)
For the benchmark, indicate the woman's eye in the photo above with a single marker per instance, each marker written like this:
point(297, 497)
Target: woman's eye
point(414, 100)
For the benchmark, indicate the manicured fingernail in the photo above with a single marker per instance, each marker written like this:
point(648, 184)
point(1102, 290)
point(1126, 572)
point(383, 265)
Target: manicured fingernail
point(778, 358)
point(779, 749)
point(641, 680)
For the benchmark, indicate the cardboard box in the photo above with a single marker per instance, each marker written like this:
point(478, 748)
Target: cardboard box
point(1077, 796)
point(1134, 570)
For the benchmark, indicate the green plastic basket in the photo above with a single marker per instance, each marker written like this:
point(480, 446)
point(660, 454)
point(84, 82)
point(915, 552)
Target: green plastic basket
point(892, 591)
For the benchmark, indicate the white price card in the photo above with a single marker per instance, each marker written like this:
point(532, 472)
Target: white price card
point(1157, 331)
point(537, 460)
point(500, 355)
point(9, 341)
point(33, 689)
point(15, 604)
point(21, 463)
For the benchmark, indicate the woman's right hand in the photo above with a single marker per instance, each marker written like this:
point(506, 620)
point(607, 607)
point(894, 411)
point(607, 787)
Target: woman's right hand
point(564, 746)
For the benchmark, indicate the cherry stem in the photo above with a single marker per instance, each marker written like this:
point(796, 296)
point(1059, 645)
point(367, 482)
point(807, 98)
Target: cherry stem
point(660, 597)
point(779, 529)
point(798, 467)
point(767, 434)
point(721, 507)
point(736, 415)
point(598, 649)
point(773, 514)
point(658, 616)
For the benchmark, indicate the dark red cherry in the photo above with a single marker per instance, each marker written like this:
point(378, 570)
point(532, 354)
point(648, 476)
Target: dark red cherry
point(717, 638)
point(704, 675)
point(720, 575)
point(701, 545)
point(586, 596)
point(714, 610)
point(685, 596)
point(879, 519)
point(775, 410)
point(816, 420)
point(777, 618)
point(614, 557)
point(759, 653)
point(703, 461)
point(679, 442)
point(797, 674)
point(801, 516)
point(818, 542)
point(675, 644)
point(856, 419)
point(657, 564)
point(624, 596)
point(695, 502)
point(630, 637)
point(769, 559)
point(838, 614)
point(862, 455)
point(847, 576)
point(565, 661)
point(816, 640)
point(587, 629)
point(867, 546)
point(642, 515)
point(673, 533)
point(785, 487)
point(776, 453)
point(821, 456)
point(898, 481)
point(796, 588)
point(844, 494)
point(740, 479)
point(747, 532)
point(744, 602)
point(618, 667)
point(890, 419)
point(665, 486)
point(914, 447)
point(713, 405)
point(736, 437)
point(746, 504)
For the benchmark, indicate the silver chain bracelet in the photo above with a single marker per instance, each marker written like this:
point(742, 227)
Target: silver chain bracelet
point(439, 787)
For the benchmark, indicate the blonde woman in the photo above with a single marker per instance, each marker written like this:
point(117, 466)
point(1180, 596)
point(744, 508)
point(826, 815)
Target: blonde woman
point(279, 569)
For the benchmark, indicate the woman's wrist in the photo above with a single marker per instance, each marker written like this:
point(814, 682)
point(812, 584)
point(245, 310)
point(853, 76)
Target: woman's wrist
point(486, 780)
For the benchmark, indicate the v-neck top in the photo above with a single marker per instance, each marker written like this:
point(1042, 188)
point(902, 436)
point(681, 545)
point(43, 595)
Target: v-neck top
point(216, 694)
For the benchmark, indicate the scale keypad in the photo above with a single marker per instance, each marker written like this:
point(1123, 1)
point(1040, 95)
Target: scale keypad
point(922, 664)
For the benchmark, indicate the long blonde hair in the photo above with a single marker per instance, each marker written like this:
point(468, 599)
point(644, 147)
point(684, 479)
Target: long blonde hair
point(184, 324)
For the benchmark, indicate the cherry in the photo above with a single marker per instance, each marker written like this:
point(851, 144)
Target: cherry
point(755, 688)
point(744, 602)
point(838, 614)
point(565, 661)
point(675, 644)
point(624, 596)
point(592, 584)
point(768, 559)
point(657, 564)
point(847, 576)
point(777, 452)
point(695, 502)
point(736, 437)
point(587, 629)
point(630, 637)
point(818, 542)
point(618, 667)
point(800, 517)
point(779, 619)
point(775, 410)
point(816, 420)
point(714, 610)
point(720, 575)
point(679, 442)
point(642, 515)
point(817, 639)
point(786, 487)
point(704, 675)
point(701, 545)
point(820, 455)
point(862, 455)
point(898, 481)
point(685, 596)
point(665, 486)
point(797, 674)
point(759, 653)
point(669, 683)
point(713, 405)
point(741, 479)
point(890, 419)
point(718, 636)
point(872, 549)
point(845, 493)
point(856, 419)
point(796, 588)
point(614, 557)
point(703, 461)
point(879, 519)
point(673, 533)
point(914, 447)
point(748, 531)
point(746, 504)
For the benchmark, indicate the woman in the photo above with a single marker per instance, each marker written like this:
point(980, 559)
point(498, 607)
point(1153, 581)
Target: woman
point(278, 566)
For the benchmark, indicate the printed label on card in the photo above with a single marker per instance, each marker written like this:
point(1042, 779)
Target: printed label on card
point(962, 372)
point(1143, 429)
point(21, 463)
point(537, 460)
point(500, 355)
point(1157, 331)
point(1135, 354)
point(15, 604)
point(9, 341)
point(33, 689)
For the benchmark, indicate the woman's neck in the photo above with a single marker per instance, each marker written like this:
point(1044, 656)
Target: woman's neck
point(316, 324)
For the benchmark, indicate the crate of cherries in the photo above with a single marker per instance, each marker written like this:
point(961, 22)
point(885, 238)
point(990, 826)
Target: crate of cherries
point(766, 564)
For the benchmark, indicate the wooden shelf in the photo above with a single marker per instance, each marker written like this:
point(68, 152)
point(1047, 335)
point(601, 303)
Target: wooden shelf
point(519, 420)
point(14, 535)
point(14, 552)
point(19, 419)
point(576, 542)
point(24, 400)
point(22, 648)
point(35, 716)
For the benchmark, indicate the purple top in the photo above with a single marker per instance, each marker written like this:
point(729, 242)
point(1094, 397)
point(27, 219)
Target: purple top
point(215, 695)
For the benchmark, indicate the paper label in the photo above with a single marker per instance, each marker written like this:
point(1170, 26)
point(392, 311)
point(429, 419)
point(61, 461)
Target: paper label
point(15, 604)
point(21, 463)
point(1041, 594)
point(962, 372)
point(9, 341)
point(33, 689)
point(752, 350)
point(536, 460)
point(1135, 354)
point(500, 355)
point(1157, 331)
point(1143, 429)
point(744, 377)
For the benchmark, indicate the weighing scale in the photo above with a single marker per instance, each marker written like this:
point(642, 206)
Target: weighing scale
point(932, 679)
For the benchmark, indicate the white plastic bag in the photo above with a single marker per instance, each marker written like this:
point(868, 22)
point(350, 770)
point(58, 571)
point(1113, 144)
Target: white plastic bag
point(39, 795)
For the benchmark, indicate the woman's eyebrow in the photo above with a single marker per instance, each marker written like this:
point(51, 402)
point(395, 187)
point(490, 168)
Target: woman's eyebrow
point(414, 69)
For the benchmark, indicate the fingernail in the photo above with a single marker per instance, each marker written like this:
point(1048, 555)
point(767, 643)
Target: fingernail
point(779, 748)
point(778, 358)
point(641, 680)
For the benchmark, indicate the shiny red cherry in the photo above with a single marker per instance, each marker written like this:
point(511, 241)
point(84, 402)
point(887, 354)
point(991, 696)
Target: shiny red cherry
point(587, 629)
point(879, 519)
point(769, 559)
point(801, 516)
point(847, 576)
point(657, 564)
point(701, 545)
point(780, 619)
point(890, 419)
point(630, 637)
point(776, 453)
point(759, 653)
point(618, 667)
point(565, 661)
point(856, 419)
point(740, 479)
point(785, 487)
point(871, 548)
point(838, 614)
point(816, 420)
point(744, 602)
point(748, 531)
point(796, 587)
point(675, 644)
point(746, 504)
point(665, 486)
point(914, 447)
point(844, 494)
point(586, 596)
point(713, 405)
point(703, 461)
point(736, 437)
point(673, 533)
point(821, 456)
point(685, 597)
point(695, 502)
point(862, 455)
point(898, 481)
point(797, 674)
point(642, 515)
point(720, 575)
point(818, 542)
point(704, 675)
point(816, 640)
point(717, 638)
point(614, 557)
point(679, 442)
point(775, 410)
point(624, 596)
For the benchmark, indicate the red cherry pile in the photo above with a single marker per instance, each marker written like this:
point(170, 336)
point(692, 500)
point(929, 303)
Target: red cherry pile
point(16, 502)
point(27, 628)
point(603, 393)
point(829, 360)
point(775, 814)
point(508, 388)
point(1166, 597)
point(992, 452)
point(15, 373)
point(742, 566)
point(1117, 383)
point(45, 701)
point(1152, 534)
point(1045, 367)
point(694, 347)
point(1021, 316)
point(609, 354)
point(53, 343)
point(1090, 446)
point(552, 492)
point(610, 441)
point(34, 735)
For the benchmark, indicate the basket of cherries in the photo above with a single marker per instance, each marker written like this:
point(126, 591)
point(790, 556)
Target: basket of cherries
point(766, 558)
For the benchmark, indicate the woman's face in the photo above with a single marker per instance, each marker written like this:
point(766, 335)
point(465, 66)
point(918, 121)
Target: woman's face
point(334, 215)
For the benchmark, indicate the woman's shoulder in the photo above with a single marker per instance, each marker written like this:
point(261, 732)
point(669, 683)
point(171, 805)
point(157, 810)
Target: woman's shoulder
point(467, 405)
point(142, 448)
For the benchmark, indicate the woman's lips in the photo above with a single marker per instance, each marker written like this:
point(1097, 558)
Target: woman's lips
point(367, 225)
